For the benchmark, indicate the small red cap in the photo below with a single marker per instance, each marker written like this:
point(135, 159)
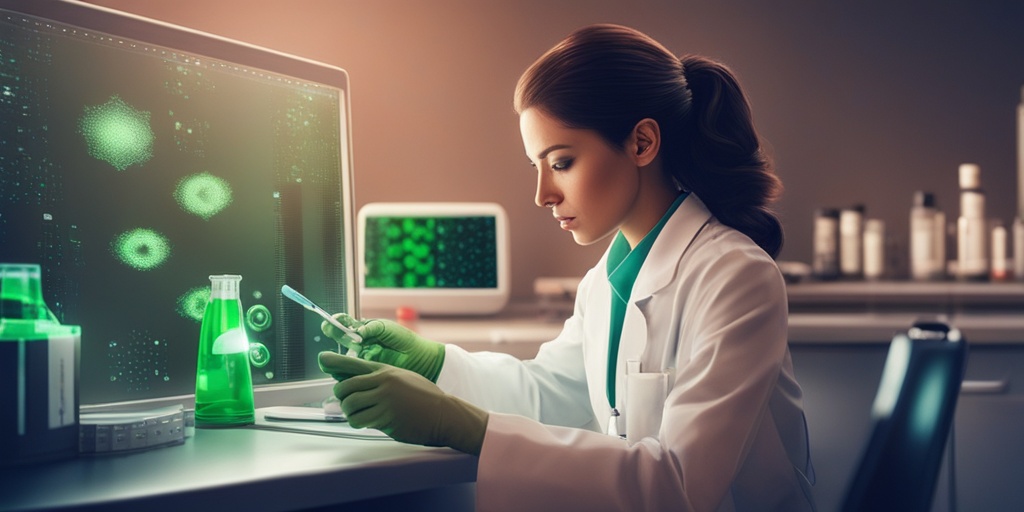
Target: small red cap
point(406, 314)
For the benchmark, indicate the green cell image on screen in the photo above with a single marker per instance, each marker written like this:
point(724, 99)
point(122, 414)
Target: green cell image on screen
point(203, 194)
point(141, 248)
point(117, 133)
point(431, 252)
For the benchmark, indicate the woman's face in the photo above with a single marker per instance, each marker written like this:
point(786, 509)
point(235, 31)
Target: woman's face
point(590, 186)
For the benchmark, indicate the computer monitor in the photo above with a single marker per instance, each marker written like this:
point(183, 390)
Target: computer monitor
point(138, 158)
point(439, 258)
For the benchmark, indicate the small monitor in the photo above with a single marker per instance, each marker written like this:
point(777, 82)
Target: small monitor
point(440, 258)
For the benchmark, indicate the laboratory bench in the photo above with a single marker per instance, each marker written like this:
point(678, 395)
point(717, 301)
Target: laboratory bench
point(254, 469)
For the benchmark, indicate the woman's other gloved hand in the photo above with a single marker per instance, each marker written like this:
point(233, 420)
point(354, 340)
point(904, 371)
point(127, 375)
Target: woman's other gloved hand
point(403, 404)
point(388, 342)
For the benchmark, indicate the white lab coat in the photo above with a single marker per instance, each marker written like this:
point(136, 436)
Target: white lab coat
point(709, 307)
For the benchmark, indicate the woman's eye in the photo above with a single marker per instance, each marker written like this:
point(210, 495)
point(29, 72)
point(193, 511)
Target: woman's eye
point(562, 165)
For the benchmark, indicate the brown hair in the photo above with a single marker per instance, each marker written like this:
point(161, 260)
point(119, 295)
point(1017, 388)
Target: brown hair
point(607, 78)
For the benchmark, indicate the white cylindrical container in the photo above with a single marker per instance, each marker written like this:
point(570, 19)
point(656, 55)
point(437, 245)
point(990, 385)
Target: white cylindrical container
point(825, 264)
point(851, 233)
point(972, 232)
point(940, 244)
point(927, 238)
point(1020, 156)
point(1018, 248)
point(999, 268)
point(874, 249)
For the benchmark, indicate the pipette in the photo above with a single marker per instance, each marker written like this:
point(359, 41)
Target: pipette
point(301, 299)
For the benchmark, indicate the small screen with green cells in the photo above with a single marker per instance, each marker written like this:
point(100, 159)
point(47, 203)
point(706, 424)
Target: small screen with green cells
point(431, 252)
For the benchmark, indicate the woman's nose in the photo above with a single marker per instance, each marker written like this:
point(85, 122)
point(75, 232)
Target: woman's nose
point(546, 195)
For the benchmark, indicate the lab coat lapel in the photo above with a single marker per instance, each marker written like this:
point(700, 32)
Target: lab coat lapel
point(595, 346)
point(658, 271)
point(675, 238)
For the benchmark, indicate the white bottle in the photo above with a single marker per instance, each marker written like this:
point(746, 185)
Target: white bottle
point(874, 249)
point(927, 238)
point(825, 264)
point(999, 268)
point(1018, 248)
point(1018, 221)
point(1020, 157)
point(851, 233)
point(971, 232)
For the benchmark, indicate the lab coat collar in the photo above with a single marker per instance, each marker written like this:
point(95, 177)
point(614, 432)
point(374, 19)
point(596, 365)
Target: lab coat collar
point(661, 264)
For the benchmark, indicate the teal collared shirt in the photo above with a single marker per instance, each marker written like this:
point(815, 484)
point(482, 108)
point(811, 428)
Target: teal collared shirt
point(623, 267)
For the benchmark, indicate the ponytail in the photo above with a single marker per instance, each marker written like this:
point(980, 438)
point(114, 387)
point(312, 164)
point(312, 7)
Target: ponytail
point(723, 162)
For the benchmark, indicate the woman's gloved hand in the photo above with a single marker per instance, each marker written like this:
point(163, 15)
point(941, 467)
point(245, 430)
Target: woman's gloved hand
point(388, 342)
point(403, 404)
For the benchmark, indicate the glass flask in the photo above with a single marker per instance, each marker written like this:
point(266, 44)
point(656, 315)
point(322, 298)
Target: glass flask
point(223, 379)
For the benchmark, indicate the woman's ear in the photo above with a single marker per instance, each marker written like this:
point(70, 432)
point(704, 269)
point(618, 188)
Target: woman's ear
point(646, 141)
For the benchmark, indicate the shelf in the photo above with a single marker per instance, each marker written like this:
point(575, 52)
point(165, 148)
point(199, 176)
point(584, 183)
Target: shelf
point(947, 297)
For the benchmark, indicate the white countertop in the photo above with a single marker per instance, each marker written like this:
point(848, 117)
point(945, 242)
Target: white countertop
point(237, 469)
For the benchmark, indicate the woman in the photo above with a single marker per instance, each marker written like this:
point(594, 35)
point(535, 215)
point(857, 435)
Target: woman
point(678, 338)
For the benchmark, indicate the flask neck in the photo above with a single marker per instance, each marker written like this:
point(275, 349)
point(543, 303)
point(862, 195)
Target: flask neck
point(225, 287)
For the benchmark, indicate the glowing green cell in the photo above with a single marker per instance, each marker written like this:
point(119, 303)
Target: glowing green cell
point(141, 249)
point(192, 304)
point(258, 318)
point(259, 355)
point(203, 194)
point(117, 133)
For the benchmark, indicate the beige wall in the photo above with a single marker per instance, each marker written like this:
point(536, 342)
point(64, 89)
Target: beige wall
point(861, 103)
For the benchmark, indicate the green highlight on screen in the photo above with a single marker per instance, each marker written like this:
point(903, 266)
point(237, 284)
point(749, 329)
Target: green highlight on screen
point(117, 133)
point(141, 248)
point(258, 318)
point(192, 303)
point(429, 252)
point(203, 195)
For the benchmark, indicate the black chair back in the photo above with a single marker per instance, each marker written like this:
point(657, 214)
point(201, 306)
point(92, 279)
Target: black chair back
point(912, 414)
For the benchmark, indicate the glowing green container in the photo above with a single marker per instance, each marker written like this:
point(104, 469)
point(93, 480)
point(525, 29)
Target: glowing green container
point(223, 379)
point(39, 363)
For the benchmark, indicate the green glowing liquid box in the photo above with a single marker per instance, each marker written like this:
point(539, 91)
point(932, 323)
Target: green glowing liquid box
point(39, 364)
point(223, 379)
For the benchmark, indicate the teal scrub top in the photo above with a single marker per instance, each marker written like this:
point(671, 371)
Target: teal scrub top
point(623, 267)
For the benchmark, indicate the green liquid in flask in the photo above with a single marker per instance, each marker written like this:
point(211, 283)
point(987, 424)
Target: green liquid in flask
point(223, 379)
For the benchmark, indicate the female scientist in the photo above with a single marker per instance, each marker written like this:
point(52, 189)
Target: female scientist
point(671, 386)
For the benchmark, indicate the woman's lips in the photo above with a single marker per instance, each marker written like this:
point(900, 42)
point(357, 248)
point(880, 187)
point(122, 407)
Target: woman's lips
point(565, 222)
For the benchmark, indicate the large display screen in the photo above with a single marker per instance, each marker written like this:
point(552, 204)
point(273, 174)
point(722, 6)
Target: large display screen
point(132, 168)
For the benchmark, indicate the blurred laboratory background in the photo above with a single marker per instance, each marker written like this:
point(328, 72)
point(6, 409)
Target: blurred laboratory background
point(897, 129)
point(861, 103)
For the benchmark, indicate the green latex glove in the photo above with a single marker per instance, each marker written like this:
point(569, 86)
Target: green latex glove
point(403, 404)
point(388, 342)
